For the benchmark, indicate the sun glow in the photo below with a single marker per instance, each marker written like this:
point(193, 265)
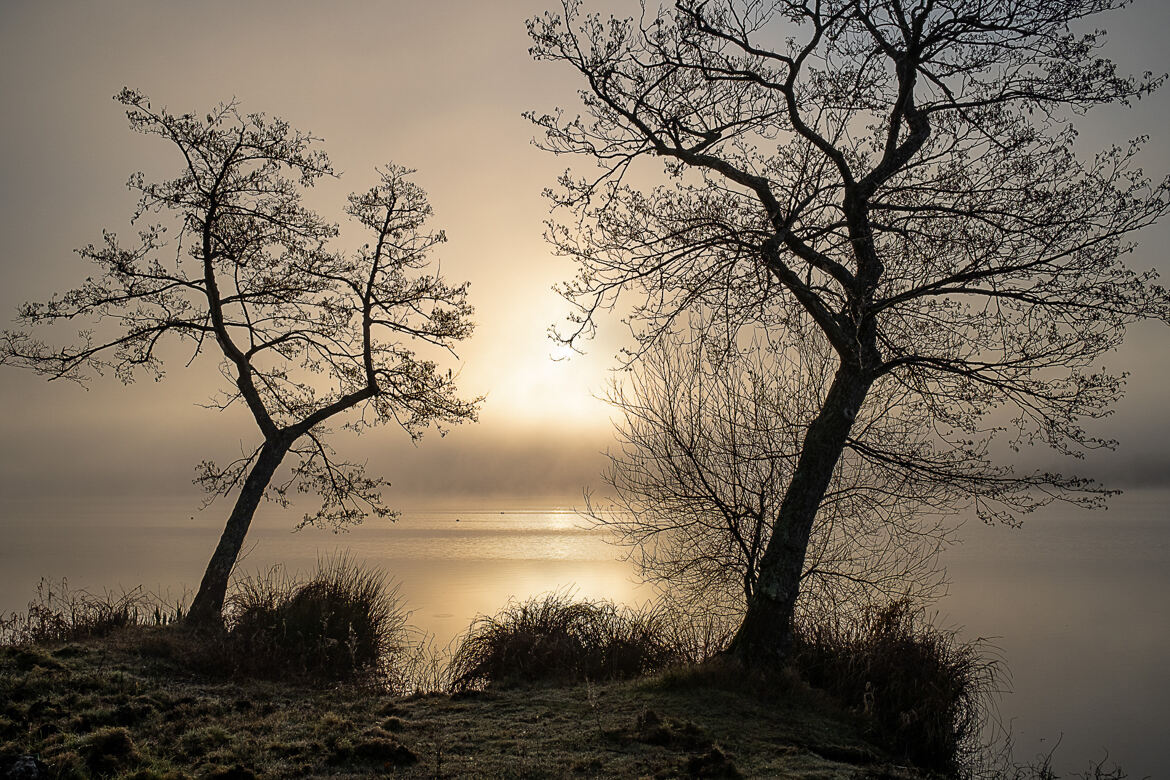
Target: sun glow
point(552, 386)
point(530, 380)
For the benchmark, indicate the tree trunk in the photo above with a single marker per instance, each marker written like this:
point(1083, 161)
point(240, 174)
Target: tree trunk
point(207, 607)
point(766, 634)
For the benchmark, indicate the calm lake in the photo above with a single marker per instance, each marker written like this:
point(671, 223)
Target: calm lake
point(1078, 603)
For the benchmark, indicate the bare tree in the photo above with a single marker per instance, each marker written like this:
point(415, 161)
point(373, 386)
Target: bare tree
point(307, 336)
point(709, 437)
point(901, 178)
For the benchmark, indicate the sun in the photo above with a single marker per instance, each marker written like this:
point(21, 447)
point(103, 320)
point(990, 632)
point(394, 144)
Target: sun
point(559, 351)
point(544, 384)
point(553, 387)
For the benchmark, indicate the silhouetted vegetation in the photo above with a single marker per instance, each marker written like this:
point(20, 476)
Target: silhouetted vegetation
point(891, 198)
point(307, 336)
point(914, 692)
point(103, 704)
point(554, 638)
point(342, 623)
point(904, 290)
point(923, 693)
point(1042, 769)
point(61, 614)
point(706, 445)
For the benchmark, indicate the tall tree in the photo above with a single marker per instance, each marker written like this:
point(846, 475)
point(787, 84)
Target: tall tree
point(901, 178)
point(306, 336)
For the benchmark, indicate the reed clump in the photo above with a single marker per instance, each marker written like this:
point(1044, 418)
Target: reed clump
point(924, 694)
point(341, 624)
point(60, 613)
point(559, 639)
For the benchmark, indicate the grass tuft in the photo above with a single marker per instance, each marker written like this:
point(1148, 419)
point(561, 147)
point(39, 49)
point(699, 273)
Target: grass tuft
point(923, 693)
point(342, 624)
point(61, 614)
point(554, 638)
point(108, 750)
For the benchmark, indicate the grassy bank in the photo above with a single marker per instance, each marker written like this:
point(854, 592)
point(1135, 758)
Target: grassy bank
point(116, 707)
point(320, 676)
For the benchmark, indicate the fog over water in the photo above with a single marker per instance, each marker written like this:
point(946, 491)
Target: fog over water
point(1076, 602)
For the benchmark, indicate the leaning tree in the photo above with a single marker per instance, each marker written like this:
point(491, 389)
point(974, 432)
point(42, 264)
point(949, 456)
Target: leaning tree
point(903, 179)
point(307, 336)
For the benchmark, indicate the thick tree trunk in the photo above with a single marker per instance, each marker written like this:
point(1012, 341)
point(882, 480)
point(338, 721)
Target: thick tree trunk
point(207, 607)
point(765, 636)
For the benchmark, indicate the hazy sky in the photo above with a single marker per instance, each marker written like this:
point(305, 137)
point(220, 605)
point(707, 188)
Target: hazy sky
point(437, 86)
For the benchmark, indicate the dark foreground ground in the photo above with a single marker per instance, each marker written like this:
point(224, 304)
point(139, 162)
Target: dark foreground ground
point(106, 708)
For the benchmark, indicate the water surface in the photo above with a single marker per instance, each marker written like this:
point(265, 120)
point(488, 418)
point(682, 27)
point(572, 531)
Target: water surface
point(1077, 602)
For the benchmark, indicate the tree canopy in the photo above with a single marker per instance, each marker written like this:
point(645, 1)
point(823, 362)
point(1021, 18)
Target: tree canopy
point(229, 261)
point(900, 181)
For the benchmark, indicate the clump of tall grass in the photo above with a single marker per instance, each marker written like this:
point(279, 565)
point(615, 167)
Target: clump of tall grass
point(925, 694)
point(341, 624)
point(61, 614)
point(556, 638)
point(697, 638)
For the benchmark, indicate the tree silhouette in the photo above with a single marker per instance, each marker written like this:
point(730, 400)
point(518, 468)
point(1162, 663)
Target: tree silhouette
point(901, 179)
point(307, 336)
point(707, 440)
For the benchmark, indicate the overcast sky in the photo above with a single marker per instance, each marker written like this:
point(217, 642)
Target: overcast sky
point(436, 86)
